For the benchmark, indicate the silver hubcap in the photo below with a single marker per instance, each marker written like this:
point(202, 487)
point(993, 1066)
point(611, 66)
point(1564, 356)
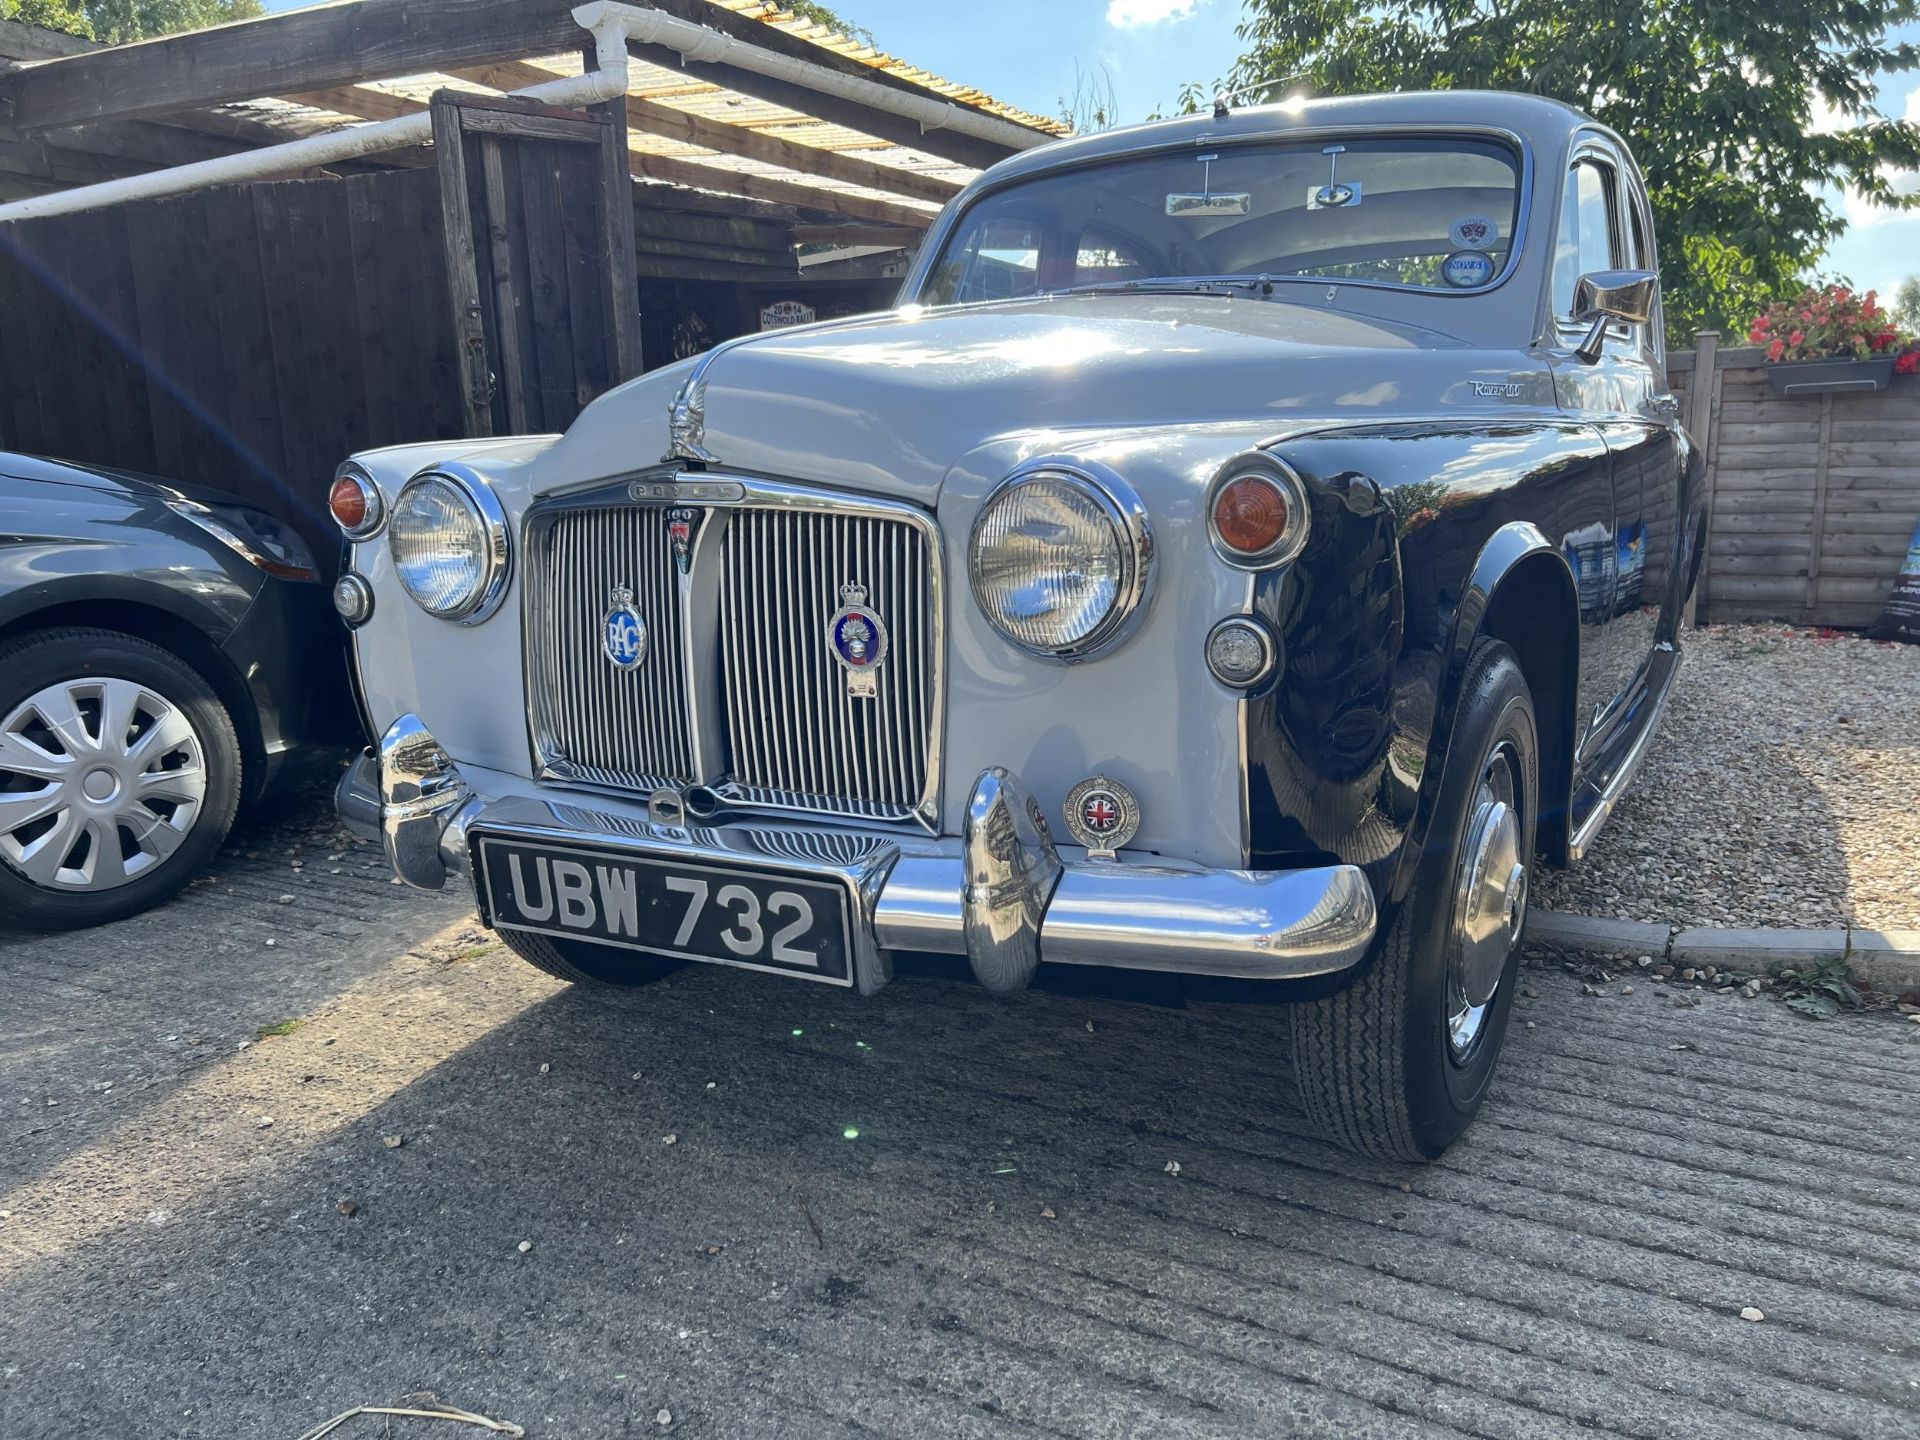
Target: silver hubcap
point(100, 781)
point(1489, 903)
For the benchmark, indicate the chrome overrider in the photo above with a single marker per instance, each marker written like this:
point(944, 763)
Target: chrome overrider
point(1001, 894)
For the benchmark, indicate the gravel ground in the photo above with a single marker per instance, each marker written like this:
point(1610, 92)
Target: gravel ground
point(1784, 789)
point(731, 1206)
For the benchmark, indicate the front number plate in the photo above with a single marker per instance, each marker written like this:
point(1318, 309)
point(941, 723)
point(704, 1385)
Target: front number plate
point(761, 920)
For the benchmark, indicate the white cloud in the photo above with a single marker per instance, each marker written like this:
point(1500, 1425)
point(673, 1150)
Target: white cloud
point(1131, 14)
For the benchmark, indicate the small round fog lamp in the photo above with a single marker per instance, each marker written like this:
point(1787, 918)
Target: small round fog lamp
point(353, 599)
point(1240, 652)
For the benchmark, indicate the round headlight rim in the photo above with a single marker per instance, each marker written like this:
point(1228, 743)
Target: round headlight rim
point(1287, 482)
point(497, 552)
point(1123, 510)
point(375, 502)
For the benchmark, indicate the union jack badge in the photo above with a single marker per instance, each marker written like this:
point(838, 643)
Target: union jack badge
point(857, 636)
point(1102, 815)
point(680, 535)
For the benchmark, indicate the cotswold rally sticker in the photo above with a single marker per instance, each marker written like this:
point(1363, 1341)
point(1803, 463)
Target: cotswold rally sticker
point(1473, 232)
point(1464, 269)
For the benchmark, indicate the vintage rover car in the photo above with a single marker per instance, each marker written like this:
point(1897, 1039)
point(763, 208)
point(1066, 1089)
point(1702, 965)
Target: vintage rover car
point(1251, 543)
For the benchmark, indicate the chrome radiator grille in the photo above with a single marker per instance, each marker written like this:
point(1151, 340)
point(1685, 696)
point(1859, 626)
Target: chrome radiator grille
point(738, 689)
point(622, 728)
point(793, 725)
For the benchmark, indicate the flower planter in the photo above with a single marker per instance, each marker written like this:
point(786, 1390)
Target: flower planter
point(1794, 378)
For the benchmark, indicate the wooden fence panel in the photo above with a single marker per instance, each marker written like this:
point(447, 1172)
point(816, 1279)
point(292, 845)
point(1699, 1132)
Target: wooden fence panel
point(1812, 500)
point(246, 338)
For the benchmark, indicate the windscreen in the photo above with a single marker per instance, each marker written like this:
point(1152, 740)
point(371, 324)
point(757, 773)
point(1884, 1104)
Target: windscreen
point(1435, 212)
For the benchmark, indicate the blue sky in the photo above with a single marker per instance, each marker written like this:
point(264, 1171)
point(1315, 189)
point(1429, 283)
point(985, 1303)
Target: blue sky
point(1025, 52)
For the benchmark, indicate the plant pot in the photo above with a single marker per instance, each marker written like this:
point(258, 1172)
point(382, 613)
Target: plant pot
point(1794, 378)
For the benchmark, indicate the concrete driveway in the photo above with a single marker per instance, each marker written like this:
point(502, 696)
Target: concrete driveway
point(758, 1207)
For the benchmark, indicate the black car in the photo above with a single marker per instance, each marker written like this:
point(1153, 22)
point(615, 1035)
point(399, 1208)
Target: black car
point(162, 649)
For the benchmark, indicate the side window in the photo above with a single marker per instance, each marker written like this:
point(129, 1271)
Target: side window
point(1587, 232)
point(999, 260)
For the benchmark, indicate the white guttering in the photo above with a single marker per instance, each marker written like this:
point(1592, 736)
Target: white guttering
point(613, 25)
point(607, 22)
point(698, 43)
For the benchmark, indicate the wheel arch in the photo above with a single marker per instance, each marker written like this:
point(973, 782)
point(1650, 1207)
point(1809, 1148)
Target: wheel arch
point(1522, 593)
point(179, 636)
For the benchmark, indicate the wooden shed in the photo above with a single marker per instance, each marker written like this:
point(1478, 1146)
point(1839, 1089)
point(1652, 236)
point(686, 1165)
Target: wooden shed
point(492, 279)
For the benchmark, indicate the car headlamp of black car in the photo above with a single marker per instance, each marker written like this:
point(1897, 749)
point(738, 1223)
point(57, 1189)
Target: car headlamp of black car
point(257, 537)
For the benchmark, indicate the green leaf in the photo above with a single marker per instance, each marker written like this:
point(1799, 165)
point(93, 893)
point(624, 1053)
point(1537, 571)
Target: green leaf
point(1717, 102)
point(1820, 1007)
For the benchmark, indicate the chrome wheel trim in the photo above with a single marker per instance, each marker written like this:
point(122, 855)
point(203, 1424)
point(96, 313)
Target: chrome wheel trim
point(1489, 903)
point(101, 780)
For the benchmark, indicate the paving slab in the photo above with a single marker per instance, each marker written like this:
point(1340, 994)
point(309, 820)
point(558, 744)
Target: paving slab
point(1888, 960)
point(759, 1208)
point(1597, 934)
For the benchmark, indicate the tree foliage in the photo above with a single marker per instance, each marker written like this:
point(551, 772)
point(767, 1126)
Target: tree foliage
point(114, 22)
point(1906, 304)
point(1745, 117)
point(821, 15)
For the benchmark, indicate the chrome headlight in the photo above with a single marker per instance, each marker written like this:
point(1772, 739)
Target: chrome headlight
point(1059, 558)
point(448, 539)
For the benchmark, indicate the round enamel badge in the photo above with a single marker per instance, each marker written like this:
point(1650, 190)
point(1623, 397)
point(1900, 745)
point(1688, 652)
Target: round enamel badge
point(1102, 815)
point(623, 634)
point(857, 636)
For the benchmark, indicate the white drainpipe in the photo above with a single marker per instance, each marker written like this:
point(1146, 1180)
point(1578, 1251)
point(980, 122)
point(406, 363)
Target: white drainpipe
point(613, 25)
point(607, 22)
point(697, 42)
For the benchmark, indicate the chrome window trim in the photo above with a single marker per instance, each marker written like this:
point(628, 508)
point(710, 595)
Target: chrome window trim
point(497, 561)
point(1283, 477)
point(1125, 511)
point(671, 484)
point(936, 239)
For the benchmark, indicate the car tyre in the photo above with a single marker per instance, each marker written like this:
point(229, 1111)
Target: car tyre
point(580, 962)
point(50, 663)
point(1397, 1064)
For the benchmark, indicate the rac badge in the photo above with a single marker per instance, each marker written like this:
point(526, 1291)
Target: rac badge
point(1102, 815)
point(858, 639)
point(623, 634)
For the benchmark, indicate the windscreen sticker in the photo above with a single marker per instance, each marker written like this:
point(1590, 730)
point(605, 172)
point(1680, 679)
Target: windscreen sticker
point(1464, 269)
point(1473, 232)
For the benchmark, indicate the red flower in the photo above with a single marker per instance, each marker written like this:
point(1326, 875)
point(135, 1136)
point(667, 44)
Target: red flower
point(1776, 350)
point(1908, 362)
point(1796, 337)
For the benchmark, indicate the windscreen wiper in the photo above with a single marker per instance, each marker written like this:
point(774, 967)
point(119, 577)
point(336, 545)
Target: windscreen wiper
point(1224, 285)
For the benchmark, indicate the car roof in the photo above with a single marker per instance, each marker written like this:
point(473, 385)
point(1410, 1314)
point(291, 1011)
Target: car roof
point(1542, 124)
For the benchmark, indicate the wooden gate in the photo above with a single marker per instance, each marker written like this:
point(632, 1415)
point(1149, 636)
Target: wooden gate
point(538, 223)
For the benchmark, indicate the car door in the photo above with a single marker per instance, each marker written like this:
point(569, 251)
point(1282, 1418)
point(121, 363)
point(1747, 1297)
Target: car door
point(1623, 394)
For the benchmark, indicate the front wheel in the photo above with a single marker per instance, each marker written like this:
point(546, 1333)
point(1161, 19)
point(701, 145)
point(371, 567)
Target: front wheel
point(119, 776)
point(580, 962)
point(1396, 1065)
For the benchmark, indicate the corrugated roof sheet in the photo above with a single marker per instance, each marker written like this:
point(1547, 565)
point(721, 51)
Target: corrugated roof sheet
point(852, 49)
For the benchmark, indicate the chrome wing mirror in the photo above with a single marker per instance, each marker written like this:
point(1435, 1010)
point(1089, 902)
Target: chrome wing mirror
point(1604, 297)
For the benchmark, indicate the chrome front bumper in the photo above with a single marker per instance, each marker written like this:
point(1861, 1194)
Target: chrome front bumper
point(1002, 894)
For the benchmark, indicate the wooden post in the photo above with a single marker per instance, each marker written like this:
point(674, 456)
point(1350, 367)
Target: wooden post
point(463, 271)
point(1816, 538)
point(506, 301)
point(1700, 415)
point(616, 233)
